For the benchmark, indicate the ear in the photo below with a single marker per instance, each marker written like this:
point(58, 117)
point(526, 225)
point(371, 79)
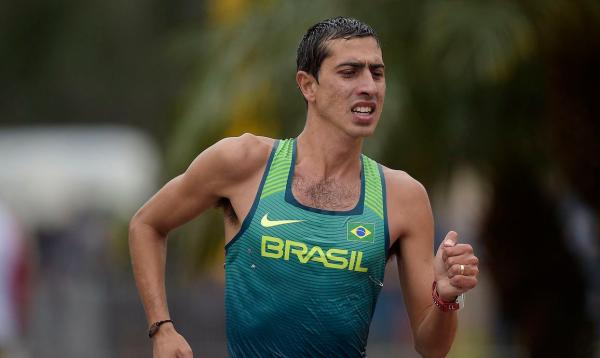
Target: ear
point(307, 84)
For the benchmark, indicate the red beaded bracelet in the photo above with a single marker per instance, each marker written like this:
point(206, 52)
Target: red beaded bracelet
point(441, 304)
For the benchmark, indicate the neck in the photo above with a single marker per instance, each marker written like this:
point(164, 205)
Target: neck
point(327, 152)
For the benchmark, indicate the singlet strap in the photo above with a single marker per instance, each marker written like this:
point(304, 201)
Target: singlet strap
point(373, 187)
point(279, 170)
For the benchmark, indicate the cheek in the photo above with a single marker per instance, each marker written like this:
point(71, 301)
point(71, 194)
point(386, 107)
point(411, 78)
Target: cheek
point(336, 96)
point(382, 89)
point(381, 97)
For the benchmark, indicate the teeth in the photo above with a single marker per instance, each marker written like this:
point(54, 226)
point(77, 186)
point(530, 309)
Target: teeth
point(362, 109)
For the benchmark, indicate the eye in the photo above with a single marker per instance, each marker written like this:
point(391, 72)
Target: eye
point(347, 73)
point(377, 74)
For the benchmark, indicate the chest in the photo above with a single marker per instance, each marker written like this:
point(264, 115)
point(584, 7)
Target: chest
point(328, 194)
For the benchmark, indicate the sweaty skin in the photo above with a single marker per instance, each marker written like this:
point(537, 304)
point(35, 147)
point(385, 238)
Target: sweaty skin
point(229, 173)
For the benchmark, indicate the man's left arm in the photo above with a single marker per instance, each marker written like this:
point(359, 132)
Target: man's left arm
point(411, 221)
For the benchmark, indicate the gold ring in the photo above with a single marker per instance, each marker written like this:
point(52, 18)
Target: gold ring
point(462, 269)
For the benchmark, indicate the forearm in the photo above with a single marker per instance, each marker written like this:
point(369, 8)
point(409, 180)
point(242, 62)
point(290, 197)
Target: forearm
point(148, 251)
point(435, 334)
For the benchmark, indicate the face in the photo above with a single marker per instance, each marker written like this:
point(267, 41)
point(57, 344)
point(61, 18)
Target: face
point(351, 87)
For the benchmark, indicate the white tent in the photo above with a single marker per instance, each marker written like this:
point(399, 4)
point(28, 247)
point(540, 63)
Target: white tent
point(48, 173)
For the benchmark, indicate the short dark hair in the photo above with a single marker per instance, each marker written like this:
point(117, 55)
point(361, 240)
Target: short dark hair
point(312, 49)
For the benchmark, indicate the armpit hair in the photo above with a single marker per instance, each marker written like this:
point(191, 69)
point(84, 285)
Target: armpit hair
point(228, 211)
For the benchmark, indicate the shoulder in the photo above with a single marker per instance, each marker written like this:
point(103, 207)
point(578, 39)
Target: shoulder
point(408, 204)
point(401, 186)
point(245, 147)
point(236, 157)
point(228, 163)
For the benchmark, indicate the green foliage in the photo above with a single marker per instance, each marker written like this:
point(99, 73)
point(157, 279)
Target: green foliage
point(469, 81)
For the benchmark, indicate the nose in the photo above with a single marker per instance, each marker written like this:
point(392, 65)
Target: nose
point(367, 86)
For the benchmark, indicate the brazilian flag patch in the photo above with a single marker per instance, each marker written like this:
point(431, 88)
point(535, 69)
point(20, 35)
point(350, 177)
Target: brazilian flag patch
point(361, 232)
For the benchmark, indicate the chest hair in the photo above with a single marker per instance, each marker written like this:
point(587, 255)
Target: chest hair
point(328, 194)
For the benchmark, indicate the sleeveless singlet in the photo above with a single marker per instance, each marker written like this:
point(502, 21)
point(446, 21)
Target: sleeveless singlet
point(301, 281)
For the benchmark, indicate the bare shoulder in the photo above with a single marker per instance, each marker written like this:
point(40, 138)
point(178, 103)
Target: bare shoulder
point(228, 164)
point(216, 173)
point(235, 157)
point(402, 187)
point(409, 210)
point(246, 146)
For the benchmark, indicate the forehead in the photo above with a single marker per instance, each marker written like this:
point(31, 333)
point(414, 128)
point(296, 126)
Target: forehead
point(361, 49)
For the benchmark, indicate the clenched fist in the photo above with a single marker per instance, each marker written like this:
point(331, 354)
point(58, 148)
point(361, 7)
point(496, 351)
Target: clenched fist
point(456, 268)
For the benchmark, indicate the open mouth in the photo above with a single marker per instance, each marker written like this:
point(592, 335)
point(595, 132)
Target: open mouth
point(363, 109)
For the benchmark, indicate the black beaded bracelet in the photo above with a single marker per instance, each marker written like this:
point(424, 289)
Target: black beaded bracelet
point(154, 327)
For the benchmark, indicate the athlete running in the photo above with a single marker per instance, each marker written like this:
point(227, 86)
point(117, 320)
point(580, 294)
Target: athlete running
point(310, 223)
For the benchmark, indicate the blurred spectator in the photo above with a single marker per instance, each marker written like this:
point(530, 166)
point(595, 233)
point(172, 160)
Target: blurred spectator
point(14, 282)
point(71, 289)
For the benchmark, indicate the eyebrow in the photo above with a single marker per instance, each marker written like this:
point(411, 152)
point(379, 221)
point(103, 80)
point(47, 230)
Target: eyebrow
point(361, 65)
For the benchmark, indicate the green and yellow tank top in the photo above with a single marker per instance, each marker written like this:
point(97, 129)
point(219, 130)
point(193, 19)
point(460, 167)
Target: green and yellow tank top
point(302, 281)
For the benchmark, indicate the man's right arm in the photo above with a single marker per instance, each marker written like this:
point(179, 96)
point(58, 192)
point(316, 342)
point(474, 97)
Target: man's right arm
point(211, 176)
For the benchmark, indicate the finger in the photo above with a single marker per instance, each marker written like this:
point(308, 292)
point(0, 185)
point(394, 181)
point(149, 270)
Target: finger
point(458, 249)
point(466, 270)
point(464, 259)
point(463, 283)
point(451, 239)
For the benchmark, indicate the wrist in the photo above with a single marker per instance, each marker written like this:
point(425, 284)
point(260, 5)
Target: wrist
point(447, 299)
point(443, 303)
point(444, 296)
point(160, 328)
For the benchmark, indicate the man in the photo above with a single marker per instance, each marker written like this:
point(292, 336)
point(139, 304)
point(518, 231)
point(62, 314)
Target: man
point(310, 223)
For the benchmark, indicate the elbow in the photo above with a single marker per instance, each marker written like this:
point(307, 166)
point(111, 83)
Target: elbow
point(140, 227)
point(137, 225)
point(134, 223)
point(432, 352)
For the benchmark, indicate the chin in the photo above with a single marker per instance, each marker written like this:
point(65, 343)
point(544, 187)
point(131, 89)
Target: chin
point(363, 127)
point(363, 132)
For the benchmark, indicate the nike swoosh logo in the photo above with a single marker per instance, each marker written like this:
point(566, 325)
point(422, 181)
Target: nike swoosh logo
point(270, 223)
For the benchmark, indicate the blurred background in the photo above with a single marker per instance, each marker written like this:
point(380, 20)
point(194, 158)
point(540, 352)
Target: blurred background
point(492, 104)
